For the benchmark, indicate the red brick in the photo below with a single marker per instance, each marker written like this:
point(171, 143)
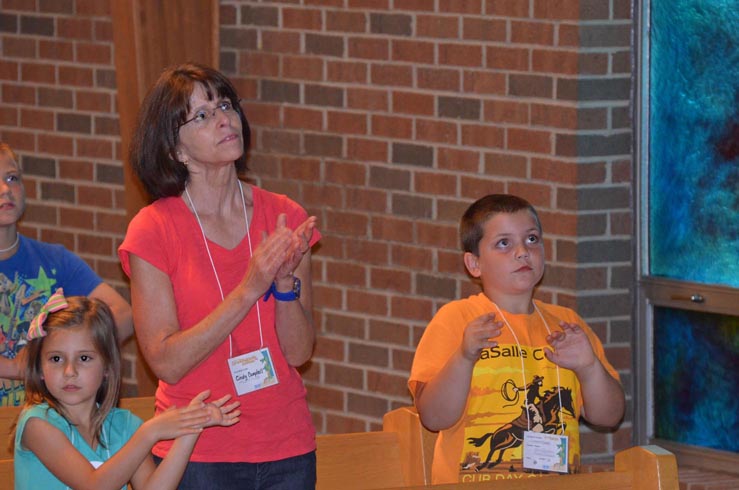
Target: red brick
point(57, 145)
point(369, 48)
point(94, 148)
point(551, 170)
point(392, 126)
point(94, 196)
point(349, 123)
point(474, 188)
point(95, 101)
point(529, 140)
point(262, 115)
point(557, 9)
point(9, 117)
point(434, 183)
point(369, 99)
point(99, 54)
point(457, 160)
point(301, 168)
point(362, 301)
point(507, 9)
point(111, 223)
point(480, 82)
point(346, 72)
point(439, 79)
point(56, 50)
point(301, 118)
point(92, 8)
point(484, 29)
point(536, 193)
point(74, 76)
point(506, 111)
point(339, 20)
point(389, 384)
point(532, 33)
point(468, 55)
point(76, 218)
point(38, 73)
point(557, 116)
point(411, 308)
point(436, 131)
point(74, 28)
point(390, 280)
point(329, 398)
point(259, 64)
point(93, 244)
point(299, 18)
point(367, 150)
point(391, 75)
point(414, 5)
point(9, 70)
point(18, 47)
point(551, 61)
point(413, 103)
point(413, 51)
point(353, 224)
point(102, 29)
point(391, 229)
point(37, 119)
point(436, 235)
point(514, 59)
point(302, 67)
point(281, 42)
point(482, 135)
point(438, 27)
point(18, 94)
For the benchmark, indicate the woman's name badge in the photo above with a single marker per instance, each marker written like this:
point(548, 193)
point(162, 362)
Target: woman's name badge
point(252, 371)
point(547, 452)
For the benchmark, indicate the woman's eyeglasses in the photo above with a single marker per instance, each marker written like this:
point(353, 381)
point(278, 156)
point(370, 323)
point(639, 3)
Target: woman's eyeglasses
point(204, 116)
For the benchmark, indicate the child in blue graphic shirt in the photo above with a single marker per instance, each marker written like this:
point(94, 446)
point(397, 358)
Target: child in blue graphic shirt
point(70, 434)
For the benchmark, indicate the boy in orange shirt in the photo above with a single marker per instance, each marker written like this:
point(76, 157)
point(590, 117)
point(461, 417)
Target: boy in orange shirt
point(504, 378)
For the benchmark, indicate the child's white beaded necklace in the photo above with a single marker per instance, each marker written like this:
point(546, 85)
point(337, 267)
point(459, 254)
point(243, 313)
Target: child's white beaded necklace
point(17, 239)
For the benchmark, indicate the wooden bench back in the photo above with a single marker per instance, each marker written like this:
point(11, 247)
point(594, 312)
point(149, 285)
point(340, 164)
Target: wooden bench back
point(141, 406)
point(360, 461)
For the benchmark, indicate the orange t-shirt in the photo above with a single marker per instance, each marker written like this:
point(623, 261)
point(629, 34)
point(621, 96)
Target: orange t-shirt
point(484, 445)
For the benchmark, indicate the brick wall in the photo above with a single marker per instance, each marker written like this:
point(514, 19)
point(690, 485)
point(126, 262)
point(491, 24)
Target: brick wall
point(386, 119)
point(57, 110)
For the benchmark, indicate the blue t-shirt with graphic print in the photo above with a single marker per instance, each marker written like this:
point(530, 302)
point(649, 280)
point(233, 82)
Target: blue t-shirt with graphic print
point(27, 279)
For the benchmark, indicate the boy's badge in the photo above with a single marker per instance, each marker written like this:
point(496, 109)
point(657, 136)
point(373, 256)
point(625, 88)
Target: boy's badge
point(252, 371)
point(545, 452)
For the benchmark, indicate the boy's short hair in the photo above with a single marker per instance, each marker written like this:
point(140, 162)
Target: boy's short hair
point(480, 211)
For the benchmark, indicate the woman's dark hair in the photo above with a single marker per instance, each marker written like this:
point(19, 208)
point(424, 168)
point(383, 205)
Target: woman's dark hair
point(153, 150)
point(474, 219)
point(81, 312)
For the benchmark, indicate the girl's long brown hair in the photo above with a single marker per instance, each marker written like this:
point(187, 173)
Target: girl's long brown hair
point(94, 315)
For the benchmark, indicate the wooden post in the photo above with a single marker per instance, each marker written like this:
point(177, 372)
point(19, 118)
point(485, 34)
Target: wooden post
point(148, 36)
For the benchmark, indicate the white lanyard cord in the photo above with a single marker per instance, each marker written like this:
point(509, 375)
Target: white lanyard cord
point(213, 265)
point(523, 368)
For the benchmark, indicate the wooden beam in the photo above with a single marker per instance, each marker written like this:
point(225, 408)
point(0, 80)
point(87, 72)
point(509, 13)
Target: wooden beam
point(150, 35)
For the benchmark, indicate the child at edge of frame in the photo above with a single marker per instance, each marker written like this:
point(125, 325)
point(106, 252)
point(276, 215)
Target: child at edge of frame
point(503, 377)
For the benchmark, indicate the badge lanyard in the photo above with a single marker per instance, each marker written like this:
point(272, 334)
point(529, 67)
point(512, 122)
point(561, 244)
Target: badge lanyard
point(213, 265)
point(541, 451)
point(254, 370)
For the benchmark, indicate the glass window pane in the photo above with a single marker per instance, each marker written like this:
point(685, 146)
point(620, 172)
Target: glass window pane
point(694, 141)
point(696, 378)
